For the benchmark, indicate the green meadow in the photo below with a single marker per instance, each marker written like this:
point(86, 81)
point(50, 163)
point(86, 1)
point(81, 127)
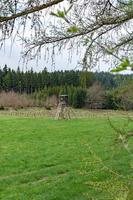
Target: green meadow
point(78, 159)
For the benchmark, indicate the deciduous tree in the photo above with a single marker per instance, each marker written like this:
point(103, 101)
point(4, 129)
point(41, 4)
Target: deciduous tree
point(103, 27)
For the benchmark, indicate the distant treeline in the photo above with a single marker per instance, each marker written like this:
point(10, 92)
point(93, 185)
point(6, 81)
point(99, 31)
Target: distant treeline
point(30, 81)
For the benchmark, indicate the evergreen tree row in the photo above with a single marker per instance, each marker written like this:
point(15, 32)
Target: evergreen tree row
point(76, 95)
point(30, 81)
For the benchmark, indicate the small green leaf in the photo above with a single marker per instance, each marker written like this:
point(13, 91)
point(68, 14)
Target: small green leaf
point(125, 63)
point(118, 69)
point(86, 41)
point(59, 13)
point(123, 66)
point(73, 29)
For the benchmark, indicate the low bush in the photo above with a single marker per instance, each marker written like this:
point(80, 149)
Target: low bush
point(121, 97)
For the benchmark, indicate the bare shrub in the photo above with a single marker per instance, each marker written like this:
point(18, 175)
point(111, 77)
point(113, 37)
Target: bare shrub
point(51, 101)
point(95, 96)
point(15, 100)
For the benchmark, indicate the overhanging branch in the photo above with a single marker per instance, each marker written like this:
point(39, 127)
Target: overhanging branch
point(29, 11)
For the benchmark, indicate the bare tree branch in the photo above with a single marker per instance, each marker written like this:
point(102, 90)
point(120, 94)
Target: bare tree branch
point(103, 27)
point(30, 11)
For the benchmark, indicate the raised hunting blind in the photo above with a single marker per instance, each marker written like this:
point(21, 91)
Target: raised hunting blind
point(63, 111)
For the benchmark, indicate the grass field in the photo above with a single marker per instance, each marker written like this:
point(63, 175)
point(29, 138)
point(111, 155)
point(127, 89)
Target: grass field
point(79, 159)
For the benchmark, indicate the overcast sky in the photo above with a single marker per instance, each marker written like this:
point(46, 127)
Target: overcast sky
point(12, 57)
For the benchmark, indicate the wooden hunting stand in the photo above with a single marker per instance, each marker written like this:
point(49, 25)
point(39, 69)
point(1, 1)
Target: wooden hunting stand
point(63, 111)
